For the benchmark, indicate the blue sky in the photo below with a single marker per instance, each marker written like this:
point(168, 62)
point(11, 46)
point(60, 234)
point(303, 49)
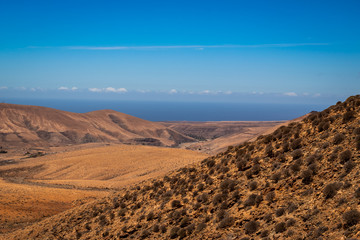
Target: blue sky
point(292, 51)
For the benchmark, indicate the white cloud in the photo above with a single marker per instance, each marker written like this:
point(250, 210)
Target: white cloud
point(95, 90)
point(290, 94)
point(74, 88)
point(108, 89)
point(205, 92)
point(3, 88)
point(228, 92)
point(317, 95)
point(173, 91)
point(63, 88)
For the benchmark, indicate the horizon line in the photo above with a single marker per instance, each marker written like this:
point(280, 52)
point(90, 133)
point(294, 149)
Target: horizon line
point(199, 47)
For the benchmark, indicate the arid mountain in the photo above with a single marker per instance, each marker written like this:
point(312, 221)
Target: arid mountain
point(299, 182)
point(215, 137)
point(39, 126)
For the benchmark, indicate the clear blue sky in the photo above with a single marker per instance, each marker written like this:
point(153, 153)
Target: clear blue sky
point(290, 51)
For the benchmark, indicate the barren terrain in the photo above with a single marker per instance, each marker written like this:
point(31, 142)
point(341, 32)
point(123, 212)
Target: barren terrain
point(214, 137)
point(34, 188)
point(299, 182)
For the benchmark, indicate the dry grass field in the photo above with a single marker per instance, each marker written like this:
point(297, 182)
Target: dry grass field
point(34, 188)
point(21, 204)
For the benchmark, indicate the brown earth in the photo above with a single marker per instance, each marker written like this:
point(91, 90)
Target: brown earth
point(299, 182)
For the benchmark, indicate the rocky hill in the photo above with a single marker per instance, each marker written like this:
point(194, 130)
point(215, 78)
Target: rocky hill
point(39, 126)
point(299, 182)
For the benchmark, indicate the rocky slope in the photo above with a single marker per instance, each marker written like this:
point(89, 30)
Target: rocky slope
point(300, 182)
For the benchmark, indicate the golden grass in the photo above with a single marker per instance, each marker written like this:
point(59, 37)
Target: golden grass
point(21, 204)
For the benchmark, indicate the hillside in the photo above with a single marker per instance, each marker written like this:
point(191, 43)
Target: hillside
point(299, 182)
point(215, 137)
point(35, 188)
point(24, 126)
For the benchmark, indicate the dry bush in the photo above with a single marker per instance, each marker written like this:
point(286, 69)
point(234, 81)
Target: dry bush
point(251, 227)
point(297, 154)
point(251, 200)
point(345, 156)
point(338, 138)
point(351, 217)
point(280, 227)
point(276, 177)
point(176, 204)
point(348, 116)
point(253, 185)
point(290, 222)
point(307, 176)
point(330, 190)
point(174, 232)
point(270, 196)
point(227, 221)
point(349, 166)
point(296, 144)
point(279, 212)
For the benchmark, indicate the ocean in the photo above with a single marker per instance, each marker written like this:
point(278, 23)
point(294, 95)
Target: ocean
point(182, 111)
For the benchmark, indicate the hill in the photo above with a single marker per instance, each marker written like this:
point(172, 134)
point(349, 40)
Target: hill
point(215, 137)
point(36, 188)
point(24, 126)
point(299, 182)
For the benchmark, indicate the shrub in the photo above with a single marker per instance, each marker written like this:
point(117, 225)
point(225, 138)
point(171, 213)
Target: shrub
point(255, 169)
point(156, 228)
point(176, 204)
point(351, 217)
point(200, 227)
point(270, 196)
point(226, 222)
point(276, 177)
point(251, 227)
point(241, 165)
point(348, 116)
point(258, 200)
point(307, 176)
point(253, 185)
point(163, 228)
point(279, 212)
point(251, 200)
point(292, 207)
point(228, 184)
point(296, 166)
point(144, 234)
point(349, 165)
point(330, 190)
point(280, 227)
point(297, 154)
point(218, 198)
point(345, 156)
point(296, 144)
point(268, 217)
point(357, 193)
point(290, 222)
point(185, 221)
point(324, 125)
point(269, 151)
point(174, 232)
point(338, 138)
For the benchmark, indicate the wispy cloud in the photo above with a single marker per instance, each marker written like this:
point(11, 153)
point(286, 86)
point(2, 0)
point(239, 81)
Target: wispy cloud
point(198, 47)
point(67, 88)
point(3, 88)
point(173, 91)
point(108, 89)
point(290, 94)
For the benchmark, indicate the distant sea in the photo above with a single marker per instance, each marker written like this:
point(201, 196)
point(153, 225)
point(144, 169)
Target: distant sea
point(182, 111)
